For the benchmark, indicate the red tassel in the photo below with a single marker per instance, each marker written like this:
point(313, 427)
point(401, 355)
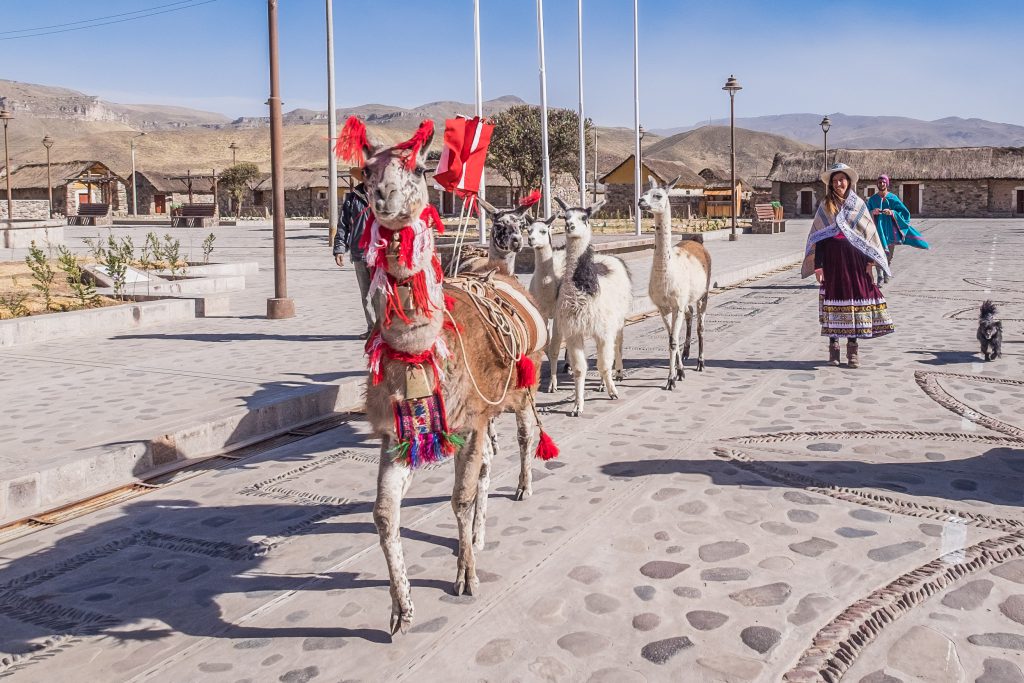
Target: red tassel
point(526, 372)
point(352, 142)
point(406, 237)
point(438, 271)
point(530, 199)
point(449, 303)
point(430, 216)
point(364, 239)
point(420, 293)
point(546, 448)
point(419, 138)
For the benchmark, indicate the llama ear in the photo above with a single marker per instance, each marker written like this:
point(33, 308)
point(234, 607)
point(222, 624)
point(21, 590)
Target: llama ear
point(670, 185)
point(489, 208)
point(594, 208)
point(553, 218)
point(652, 182)
point(561, 203)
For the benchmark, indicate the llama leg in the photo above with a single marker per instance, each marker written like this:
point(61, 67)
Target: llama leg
point(483, 485)
point(554, 346)
point(526, 425)
point(618, 355)
point(675, 367)
point(468, 463)
point(578, 361)
point(689, 323)
point(492, 435)
point(393, 480)
point(605, 361)
point(702, 309)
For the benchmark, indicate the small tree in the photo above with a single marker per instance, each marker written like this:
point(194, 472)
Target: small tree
point(515, 150)
point(208, 247)
point(85, 291)
point(42, 273)
point(236, 179)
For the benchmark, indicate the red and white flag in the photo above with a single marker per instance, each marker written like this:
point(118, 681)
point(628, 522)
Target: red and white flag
point(463, 156)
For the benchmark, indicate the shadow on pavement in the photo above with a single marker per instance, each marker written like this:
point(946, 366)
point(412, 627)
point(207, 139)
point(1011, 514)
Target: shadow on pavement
point(946, 357)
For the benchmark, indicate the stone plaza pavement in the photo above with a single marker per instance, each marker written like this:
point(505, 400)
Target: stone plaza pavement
point(773, 518)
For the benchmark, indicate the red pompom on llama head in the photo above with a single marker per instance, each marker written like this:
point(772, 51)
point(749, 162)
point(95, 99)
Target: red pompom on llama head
point(352, 145)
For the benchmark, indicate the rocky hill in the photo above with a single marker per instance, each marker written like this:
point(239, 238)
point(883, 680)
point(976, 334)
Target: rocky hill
point(708, 147)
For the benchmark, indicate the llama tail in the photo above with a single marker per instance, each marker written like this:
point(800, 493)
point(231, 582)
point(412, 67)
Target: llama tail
point(988, 309)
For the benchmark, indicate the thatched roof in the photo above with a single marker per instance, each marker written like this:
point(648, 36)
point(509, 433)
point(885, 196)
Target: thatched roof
point(167, 182)
point(664, 169)
point(956, 163)
point(33, 176)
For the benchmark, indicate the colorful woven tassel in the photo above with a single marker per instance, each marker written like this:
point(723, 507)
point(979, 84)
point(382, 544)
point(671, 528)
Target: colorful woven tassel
point(526, 372)
point(546, 448)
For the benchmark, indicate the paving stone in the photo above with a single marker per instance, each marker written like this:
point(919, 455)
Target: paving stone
point(549, 669)
point(763, 596)
point(1013, 608)
point(880, 676)
point(1006, 641)
point(319, 643)
point(895, 551)
point(731, 668)
point(661, 651)
point(779, 529)
point(662, 569)
point(583, 643)
point(585, 574)
point(968, 597)
point(598, 603)
point(687, 592)
point(647, 621)
point(705, 620)
point(722, 551)
point(761, 639)
point(614, 675)
point(1000, 671)
point(851, 532)
point(300, 675)
point(809, 607)
point(926, 654)
point(865, 515)
point(645, 593)
point(495, 652)
point(805, 499)
point(725, 574)
point(1011, 571)
point(813, 547)
point(802, 516)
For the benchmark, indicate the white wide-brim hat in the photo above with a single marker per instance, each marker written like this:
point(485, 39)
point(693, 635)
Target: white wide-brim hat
point(826, 177)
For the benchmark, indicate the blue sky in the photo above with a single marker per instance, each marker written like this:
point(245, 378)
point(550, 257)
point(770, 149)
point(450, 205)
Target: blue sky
point(910, 58)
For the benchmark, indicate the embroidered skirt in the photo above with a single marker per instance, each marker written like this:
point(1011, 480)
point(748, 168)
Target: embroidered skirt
point(849, 302)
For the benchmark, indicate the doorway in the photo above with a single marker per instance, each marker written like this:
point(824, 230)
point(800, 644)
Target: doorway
point(1020, 202)
point(806, 202)
point(912, 197)
point(159, 203)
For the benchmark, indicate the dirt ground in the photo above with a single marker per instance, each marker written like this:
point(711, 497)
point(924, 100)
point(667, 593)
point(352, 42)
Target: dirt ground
point(16, 279)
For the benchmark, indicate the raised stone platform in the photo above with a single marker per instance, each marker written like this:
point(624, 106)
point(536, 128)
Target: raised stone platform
point(20, 234)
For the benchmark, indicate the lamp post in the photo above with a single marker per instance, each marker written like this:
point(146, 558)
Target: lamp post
point(6, 116)
point(732, 86)
point(48, 143)
point(135, 184)
point(825, 125)
point(640, 148)
point(234, 148)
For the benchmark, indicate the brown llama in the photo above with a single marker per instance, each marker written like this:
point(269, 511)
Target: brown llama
point(446, 359)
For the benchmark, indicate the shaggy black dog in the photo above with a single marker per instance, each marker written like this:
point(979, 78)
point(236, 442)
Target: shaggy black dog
point(990, 332)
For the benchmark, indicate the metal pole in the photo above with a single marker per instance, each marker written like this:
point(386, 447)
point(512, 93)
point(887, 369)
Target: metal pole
point(332, 133)
point(7, 174)
point(595, 164)
point(280, 306)
point(545, 161)
point(583, 132)
point(49, 183)
point(135, 207)
point(481, 215)
point(732, 155)
point(825, 166)
point(636, 119)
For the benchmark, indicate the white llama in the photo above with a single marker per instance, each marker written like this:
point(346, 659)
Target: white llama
point(680, 280)
point(548, 266)
point(593, 302)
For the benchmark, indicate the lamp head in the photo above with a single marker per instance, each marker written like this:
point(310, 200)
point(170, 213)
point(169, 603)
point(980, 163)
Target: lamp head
point(47, 142)
point(732, 85)
point(825, 124)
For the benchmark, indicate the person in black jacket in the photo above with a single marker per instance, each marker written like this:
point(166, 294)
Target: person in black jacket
point(351, 221)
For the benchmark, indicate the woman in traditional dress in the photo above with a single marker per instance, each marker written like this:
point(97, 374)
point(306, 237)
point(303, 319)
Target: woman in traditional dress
point(843, 249)
point(893, 220)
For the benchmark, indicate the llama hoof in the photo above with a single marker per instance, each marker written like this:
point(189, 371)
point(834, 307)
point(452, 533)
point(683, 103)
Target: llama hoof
point(600, 388)
point(686, 352)
point(700, 365)
point(670, 384)
point(522, 493)
point(680, 373)
point(566, 368)
point(400, 620)
point(613, 394)
point(576, 412)
point(617, 376)
point(466, 583)
point(552, 387)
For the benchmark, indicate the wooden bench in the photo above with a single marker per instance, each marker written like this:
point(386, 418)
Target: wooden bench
point(196, 216)
point(765, 222)
point(92, 214)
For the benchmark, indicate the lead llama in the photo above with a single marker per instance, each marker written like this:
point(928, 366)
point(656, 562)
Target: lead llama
point(438, 371)
point(680, 281)
point(593, 301)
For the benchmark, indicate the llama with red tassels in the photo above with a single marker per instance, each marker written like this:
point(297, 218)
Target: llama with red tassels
point(440, 367)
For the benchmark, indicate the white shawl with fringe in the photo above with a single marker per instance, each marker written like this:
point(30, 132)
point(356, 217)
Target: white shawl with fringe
point(854, 222)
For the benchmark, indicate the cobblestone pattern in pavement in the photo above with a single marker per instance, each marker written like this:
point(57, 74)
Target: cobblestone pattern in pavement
point(773, 518)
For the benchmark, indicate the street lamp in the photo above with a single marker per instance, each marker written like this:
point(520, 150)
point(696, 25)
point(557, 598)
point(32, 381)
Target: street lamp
point(731, 86)
point(6, 116)
point(135, 184)
point(48, 143)
point(825, 125)
point(234, 148)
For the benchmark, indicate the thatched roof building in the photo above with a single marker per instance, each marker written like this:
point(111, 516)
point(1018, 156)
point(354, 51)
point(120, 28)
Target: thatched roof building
point(959, 181)
point(72, 183)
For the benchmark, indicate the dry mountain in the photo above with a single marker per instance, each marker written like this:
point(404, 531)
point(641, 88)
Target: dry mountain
point(708, 147)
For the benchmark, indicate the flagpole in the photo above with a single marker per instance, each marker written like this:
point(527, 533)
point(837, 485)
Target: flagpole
point(546, 164)
point(636, 119)
point(480, 215)
point(332, 133)
point(583, 138)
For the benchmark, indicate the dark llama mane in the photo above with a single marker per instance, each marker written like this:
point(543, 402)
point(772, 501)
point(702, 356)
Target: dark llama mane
point(588, 272)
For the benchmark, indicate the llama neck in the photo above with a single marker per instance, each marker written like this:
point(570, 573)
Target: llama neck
point(663, 237)
point(574, 249)
point(497, 258)
point(543, 261)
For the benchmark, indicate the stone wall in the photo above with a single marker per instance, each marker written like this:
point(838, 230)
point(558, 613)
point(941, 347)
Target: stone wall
point(939, 198)
point(26, 209)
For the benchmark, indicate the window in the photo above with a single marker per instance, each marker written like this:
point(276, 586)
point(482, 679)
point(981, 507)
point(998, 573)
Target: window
point(257, 197)
point(870, 190)
point(321, 194)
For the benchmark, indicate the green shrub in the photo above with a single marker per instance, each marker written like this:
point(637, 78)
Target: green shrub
point(42, 273)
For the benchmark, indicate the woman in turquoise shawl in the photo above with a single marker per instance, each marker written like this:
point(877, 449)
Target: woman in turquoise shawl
point(893, 220)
